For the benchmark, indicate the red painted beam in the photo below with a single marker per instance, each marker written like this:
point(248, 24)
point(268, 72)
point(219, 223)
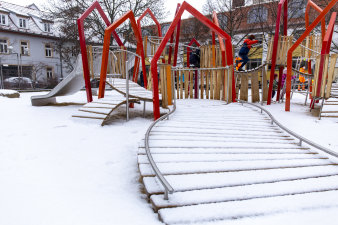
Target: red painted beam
point(275, 46)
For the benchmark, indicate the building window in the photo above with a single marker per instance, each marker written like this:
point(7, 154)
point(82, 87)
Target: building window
point(48, 51)
point(3, 46)
point(47, 27)
point(3, 19)
point(49, 73)
point(24, 50)
point(22, 23)
point(258, 15)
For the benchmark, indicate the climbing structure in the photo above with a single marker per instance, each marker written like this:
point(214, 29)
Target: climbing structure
point(185, 7)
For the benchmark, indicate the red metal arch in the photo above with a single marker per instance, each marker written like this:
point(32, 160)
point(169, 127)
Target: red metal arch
point(325, 48)
point(106, 43)
point(185, 7)
point(158, 25)
point(83, 46)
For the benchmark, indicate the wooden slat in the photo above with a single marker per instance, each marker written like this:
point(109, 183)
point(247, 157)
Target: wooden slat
point(207, 78)
point(191, 82)
point(254, 87)
point(169, 87)
point(244, 87)
point(331, 75)
point(186, 84)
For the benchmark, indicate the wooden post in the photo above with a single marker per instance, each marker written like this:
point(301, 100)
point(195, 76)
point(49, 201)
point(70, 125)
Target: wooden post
point(169, 87)
point(244, 87)
point(254, 87)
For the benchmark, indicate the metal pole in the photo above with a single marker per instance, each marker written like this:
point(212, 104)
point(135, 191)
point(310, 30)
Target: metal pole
point(144, 109)
point(127, 91)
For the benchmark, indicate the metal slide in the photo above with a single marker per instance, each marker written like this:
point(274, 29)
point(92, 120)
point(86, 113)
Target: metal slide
point(69, 85)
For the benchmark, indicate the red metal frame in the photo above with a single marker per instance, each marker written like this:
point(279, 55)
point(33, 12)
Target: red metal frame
point(106, 43)
point(296, 44)
point(185, 7)
point(282, 3)
point(83, 46)
point(158, 25)
point(224, 57)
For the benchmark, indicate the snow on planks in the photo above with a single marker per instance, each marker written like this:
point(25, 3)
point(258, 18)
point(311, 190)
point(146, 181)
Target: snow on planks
point(102, 109)
point(227, 162)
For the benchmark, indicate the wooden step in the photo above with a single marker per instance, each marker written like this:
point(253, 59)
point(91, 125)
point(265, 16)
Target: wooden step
point(248, 208)
point(179, 168)
point(266, 150)
point(211, 144)
point(87, 115)
point(230, 179)
point(165, 158)
point(246, 192)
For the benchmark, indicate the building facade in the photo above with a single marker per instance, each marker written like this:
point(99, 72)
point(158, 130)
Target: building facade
point(29, 48)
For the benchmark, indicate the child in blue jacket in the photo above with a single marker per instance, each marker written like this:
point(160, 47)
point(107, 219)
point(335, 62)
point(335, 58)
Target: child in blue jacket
point(244, 51)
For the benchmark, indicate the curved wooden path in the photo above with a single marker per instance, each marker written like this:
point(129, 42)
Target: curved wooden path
point(102, 109)
point(228, 162)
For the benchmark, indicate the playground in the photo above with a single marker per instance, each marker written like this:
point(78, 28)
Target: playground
point(168, 140)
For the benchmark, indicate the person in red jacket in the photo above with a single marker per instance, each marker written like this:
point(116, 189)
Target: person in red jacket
point(244, 51)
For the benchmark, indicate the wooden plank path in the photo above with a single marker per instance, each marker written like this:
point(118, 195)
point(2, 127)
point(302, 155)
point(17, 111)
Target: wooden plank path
point(103, 108)
point(228, 162)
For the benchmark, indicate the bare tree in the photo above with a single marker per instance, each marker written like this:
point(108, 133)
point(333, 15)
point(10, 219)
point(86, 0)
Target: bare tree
point(66, 12)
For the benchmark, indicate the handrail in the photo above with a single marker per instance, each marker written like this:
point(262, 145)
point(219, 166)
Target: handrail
point(168, 189)
point(299, 137)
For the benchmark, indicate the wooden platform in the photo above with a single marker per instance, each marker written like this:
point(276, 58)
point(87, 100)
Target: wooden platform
point(227, 163)
point(135, 90)
point(102, 109)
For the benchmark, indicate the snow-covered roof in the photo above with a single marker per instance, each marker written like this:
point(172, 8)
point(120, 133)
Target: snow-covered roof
point(36, 19)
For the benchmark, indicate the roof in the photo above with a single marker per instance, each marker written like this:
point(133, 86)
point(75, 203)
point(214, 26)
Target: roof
point(35, 19)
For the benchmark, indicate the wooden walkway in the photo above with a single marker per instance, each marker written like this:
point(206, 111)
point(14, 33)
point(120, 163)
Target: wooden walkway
point(227, 163)
point(103, 108)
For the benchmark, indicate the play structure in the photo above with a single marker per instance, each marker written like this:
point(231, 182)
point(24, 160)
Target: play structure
point(214, 78)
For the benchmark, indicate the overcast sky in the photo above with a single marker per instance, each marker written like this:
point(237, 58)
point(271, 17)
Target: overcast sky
point(170, 5)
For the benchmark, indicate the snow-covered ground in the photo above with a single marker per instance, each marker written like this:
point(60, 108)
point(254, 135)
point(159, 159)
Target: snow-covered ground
point(59, 170)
